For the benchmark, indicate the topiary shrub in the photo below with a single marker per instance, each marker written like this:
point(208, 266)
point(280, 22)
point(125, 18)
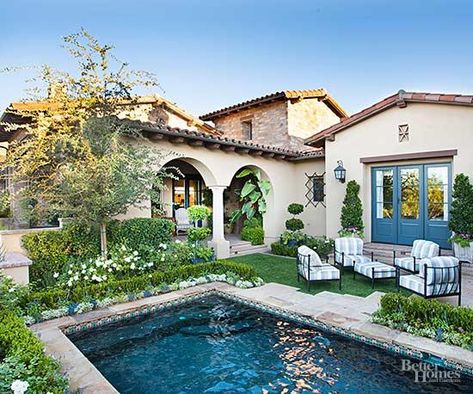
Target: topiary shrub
point(295, 208)
point(461, 213)
point(294, 224)
point(351, 218)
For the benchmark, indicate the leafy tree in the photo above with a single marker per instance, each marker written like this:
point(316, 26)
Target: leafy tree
point(351, 218)
point(77, 158)
point(461, 213)
point(253, 194)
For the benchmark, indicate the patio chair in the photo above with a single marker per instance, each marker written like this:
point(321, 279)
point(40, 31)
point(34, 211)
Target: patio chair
point(348, 251)
point(438, 277)
point(182, 220)
point(421, 251)
point(312, 269)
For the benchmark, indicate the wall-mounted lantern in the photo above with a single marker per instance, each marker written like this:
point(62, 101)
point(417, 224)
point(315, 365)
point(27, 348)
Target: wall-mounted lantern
point(340, 172)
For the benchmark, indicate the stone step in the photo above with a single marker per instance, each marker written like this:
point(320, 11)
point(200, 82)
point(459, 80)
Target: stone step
point(249, 250)
point(240, 245)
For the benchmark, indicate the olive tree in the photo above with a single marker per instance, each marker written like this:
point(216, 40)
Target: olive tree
point(75, 156)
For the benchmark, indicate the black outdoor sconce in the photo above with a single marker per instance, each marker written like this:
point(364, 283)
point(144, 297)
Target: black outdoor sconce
point(340, 172)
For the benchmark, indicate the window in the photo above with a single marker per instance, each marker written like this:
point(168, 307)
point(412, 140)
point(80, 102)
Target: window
point(319, 185)
point(247, 128)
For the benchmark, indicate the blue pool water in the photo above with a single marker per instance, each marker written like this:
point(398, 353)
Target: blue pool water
point(215, 345)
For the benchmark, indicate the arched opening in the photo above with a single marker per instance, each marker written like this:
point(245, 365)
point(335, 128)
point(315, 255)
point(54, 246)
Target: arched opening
point(189, 187)
point(249, 185)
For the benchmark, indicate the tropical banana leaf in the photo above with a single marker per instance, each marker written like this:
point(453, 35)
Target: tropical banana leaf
point(247, 189)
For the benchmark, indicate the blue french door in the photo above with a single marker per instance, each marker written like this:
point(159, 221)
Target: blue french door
point(411, 202)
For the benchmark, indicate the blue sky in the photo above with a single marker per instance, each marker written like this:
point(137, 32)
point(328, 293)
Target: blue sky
point(213, 53)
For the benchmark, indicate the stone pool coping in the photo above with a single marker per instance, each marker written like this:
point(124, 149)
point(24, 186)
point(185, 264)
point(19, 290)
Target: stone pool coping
point(344, 313)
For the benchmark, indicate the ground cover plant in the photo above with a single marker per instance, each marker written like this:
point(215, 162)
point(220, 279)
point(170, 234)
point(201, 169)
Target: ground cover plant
point(429, 318)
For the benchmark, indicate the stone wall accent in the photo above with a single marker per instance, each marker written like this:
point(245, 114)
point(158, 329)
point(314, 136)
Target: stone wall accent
point(309, 116)
point(283, 124)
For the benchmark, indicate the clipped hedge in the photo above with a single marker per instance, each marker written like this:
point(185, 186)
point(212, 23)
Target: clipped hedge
point(54, 298)
point(51, 250)
point(430, 318)
point(24, 358)
point(283, 250)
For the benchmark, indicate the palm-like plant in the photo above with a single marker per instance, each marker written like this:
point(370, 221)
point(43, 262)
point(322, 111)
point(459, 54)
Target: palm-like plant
point(253, 194)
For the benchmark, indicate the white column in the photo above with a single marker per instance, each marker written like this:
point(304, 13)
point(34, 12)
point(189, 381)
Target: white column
point(218, 242)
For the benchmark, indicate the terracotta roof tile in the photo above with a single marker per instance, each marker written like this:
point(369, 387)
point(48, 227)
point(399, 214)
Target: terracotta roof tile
point(400, 98)
point(282, 95)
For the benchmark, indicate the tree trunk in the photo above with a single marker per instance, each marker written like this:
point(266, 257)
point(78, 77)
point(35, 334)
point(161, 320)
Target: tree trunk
point(103, 239)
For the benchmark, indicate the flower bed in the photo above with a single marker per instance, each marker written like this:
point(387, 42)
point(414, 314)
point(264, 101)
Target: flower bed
point(24, 362)
point(427, 318)
point(56, 302)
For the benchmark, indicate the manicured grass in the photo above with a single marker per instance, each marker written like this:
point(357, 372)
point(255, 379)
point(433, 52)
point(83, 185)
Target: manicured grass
point(282, 270)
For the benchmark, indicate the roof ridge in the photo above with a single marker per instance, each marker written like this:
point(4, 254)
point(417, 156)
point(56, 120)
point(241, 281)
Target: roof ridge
point(400, 99)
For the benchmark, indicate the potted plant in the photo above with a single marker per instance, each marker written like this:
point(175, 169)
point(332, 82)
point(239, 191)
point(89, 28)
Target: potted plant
point(461, 218)
point(227, 225)
point(351, 218)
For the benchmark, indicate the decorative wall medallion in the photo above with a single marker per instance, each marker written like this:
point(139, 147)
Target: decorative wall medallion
point(403, 132)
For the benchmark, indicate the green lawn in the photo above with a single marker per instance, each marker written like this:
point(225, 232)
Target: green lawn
point(283, 270)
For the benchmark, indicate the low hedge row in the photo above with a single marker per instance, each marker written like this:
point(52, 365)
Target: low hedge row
point(51, 250)
point(24, 358)
point(54, 298)
point(431, 318)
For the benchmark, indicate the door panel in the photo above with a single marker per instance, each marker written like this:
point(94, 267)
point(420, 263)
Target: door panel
point(384, 208)
point(437, 203)
point(410, 223)
point(411, 202)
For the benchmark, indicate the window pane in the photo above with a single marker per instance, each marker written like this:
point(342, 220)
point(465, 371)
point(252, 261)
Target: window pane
point(179, 193)
point(410, 189)
point(319, 188)
point(384, 193)
point(437, 193)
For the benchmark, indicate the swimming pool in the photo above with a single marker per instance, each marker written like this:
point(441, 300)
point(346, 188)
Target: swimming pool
point(215, 344)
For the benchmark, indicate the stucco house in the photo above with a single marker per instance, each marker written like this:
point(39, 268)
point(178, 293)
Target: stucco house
point(296, 139)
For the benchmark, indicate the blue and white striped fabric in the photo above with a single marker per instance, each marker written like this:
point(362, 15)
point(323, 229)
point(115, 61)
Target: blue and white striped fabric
point(308, 258)
point(416, 284)
point(324, 272)
point(380, 270)
point(441, 269)
point(422, 249)
point(407, 263)
point(352, 248)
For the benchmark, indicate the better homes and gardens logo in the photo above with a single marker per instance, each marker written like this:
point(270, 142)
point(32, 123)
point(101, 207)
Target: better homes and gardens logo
point(429, 373)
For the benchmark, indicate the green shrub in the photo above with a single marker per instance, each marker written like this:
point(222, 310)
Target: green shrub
point(24, 358)
point(51, 250)
point(462, 211)
point(430, 318)
point(255, 235)
point(295, 208)
point(198, 212)
point(283, 250)
point(294, 224)
point(322, 245)
point(54, 298)
point(142, 231)
point(255, 221)
point(198, 234)
point(351, 218)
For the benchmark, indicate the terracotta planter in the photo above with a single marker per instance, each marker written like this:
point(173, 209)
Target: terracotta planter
point(463, 253)
point(228, 228)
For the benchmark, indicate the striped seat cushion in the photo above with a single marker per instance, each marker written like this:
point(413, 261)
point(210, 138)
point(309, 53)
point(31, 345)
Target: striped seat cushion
point(380, 270)
point(308, 257)
point(351, 247)
point(407, 263)
point(324, 272)
point(416, 284)
point(422, 249)
point(351, 259)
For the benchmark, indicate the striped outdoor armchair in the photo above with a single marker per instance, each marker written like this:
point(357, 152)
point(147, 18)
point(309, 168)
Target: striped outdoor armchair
point(311, 268)
point(438, 277)
point(348, 251)
point(421, 251)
